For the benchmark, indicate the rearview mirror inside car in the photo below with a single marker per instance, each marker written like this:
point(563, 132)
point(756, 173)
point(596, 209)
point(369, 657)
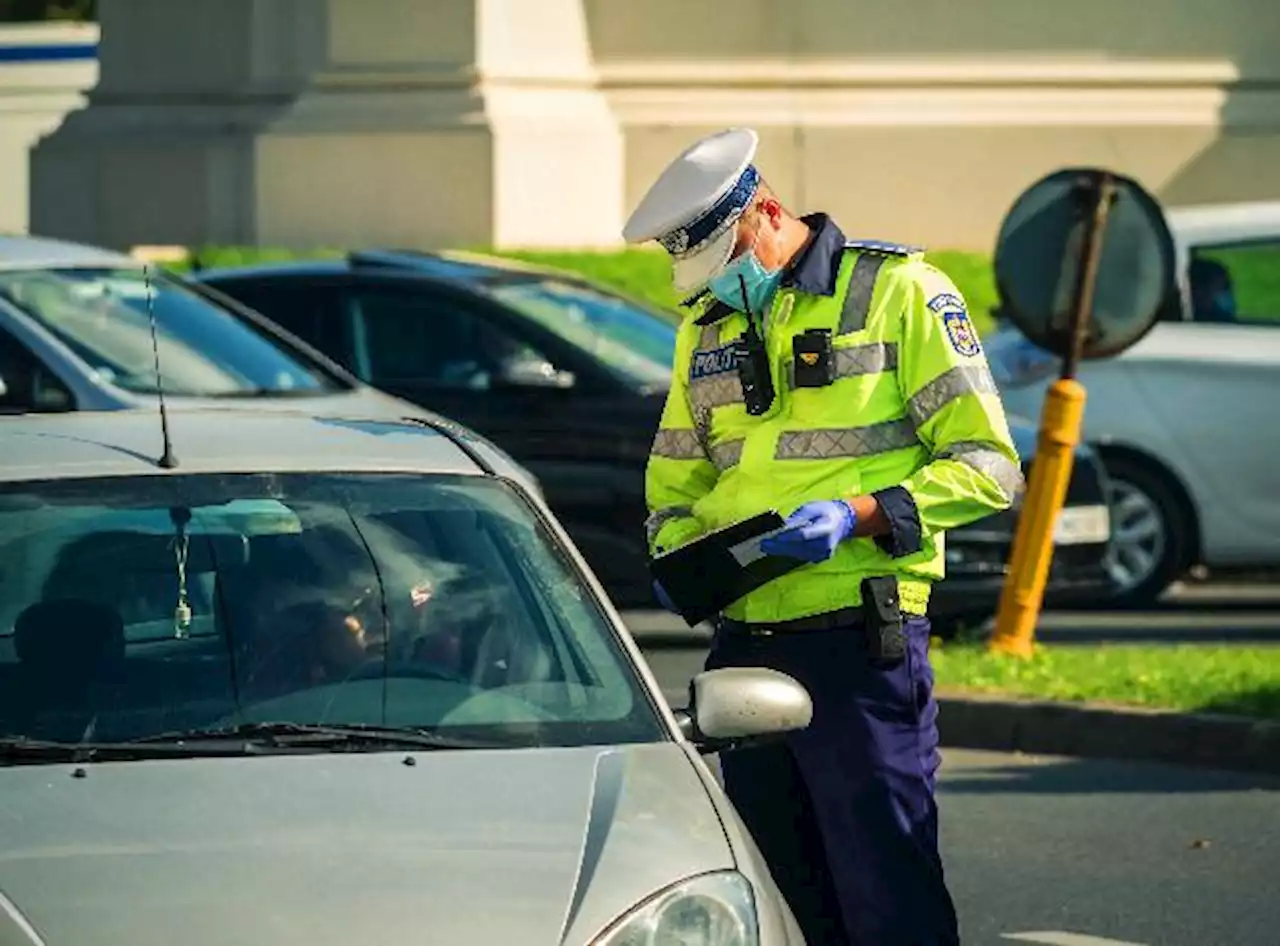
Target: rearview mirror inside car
point(733, 706)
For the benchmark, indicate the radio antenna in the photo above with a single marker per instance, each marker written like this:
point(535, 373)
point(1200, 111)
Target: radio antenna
point(167, 460)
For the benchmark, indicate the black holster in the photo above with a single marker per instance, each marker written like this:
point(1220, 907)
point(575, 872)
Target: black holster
point(883, 622)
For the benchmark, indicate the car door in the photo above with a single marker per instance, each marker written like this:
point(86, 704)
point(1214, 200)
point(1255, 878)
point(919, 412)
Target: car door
point(1224, 405)
point(438, 349)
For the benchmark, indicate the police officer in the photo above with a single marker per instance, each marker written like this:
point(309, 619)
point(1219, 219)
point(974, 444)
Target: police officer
point(841, 383)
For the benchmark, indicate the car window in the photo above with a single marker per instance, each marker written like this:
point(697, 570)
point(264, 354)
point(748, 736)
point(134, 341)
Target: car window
point(633, 342)
point(26, 384)
point(1235, 282)
point(103, 316)
point(140, 606)
point(400, 335)
point(310, 311)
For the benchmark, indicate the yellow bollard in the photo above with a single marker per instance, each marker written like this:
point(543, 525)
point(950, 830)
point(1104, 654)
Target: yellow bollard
point(1032, 553)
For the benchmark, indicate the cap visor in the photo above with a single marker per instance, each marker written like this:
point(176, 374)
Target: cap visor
point(694, 272)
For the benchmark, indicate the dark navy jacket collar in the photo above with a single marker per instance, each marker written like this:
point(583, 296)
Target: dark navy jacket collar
point(814, 270)
point(817, 265)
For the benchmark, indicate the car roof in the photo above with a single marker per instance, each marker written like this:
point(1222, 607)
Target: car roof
point(27, 252)
point(230, 440)
point(455, 266)
point(1225, 222)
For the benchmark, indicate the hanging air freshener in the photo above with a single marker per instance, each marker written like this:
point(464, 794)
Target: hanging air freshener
point(182, 612)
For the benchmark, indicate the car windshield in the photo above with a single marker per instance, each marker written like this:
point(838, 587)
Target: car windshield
point(136, 607)
point(205, 351)
point(634, 342)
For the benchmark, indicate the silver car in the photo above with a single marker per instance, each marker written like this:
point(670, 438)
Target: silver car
point(333, 680)
point(76, 334)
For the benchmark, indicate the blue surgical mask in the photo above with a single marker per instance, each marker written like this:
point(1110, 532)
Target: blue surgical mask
point(761, 284)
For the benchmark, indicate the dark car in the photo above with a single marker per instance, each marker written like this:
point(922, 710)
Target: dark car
point(977, 555)
point(570, 379)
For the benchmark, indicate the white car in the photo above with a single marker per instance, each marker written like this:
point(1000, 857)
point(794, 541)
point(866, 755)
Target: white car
point(1185, 420)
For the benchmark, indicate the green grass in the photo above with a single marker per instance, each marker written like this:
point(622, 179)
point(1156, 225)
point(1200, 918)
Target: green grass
point(643, 273)
point(1233, 679)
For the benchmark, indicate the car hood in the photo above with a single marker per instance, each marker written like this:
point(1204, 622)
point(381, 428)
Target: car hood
point(475, 846)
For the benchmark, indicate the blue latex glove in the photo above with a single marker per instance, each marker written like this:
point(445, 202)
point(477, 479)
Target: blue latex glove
point(661, 594)
point(813, 531)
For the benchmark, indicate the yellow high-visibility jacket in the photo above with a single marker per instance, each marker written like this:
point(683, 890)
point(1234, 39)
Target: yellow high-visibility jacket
point(912, 417)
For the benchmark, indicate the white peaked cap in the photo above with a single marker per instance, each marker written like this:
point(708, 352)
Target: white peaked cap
point(692, 207)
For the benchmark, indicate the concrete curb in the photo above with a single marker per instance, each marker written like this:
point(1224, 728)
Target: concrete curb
point(970, 721)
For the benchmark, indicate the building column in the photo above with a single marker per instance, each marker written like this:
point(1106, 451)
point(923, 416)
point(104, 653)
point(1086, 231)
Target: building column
point(337, 123)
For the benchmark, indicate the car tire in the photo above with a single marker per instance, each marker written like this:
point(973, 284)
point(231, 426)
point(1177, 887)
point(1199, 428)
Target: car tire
point(1151, 531)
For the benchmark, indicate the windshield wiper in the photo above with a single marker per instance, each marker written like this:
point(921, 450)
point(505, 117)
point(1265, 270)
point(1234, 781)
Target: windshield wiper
point(19, 750)
point(286, 735)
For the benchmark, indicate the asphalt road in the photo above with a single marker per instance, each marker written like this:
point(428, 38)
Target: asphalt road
point(1131, 854)
point(1066, 852)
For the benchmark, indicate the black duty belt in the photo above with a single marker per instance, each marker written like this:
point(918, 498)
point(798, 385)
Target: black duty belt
point(845, 617)
point(830, 621)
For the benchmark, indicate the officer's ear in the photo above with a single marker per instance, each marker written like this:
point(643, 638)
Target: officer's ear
point(771, 210)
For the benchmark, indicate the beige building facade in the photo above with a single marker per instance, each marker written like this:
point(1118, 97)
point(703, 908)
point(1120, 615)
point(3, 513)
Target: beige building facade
point(539, 123)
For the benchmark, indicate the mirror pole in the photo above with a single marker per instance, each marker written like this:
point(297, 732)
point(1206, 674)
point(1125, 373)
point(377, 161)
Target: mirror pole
point(1061, 421)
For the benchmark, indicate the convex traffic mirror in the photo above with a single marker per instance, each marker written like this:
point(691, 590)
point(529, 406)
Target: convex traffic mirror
point(1043, 266)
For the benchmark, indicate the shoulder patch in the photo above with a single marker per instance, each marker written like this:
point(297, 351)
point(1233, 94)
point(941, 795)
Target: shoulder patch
point(883, 247)
point(955, 320)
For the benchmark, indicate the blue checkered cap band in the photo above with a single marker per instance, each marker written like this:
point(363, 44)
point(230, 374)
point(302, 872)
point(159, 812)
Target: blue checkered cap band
point(693, 236)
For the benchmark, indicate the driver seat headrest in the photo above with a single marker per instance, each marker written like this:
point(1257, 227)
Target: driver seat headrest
point(72, 636)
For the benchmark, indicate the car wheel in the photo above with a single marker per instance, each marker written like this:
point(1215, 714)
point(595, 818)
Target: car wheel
point(1150, 532)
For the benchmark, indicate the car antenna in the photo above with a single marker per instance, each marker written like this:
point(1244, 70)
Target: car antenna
point(167, 460)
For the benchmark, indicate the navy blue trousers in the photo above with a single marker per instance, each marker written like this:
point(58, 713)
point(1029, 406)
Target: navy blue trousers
point(844, 810)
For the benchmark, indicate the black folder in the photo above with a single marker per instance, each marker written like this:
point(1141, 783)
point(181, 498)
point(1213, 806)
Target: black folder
point(706, 576)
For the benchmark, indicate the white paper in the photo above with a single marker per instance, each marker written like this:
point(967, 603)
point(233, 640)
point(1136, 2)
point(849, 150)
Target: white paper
point(749, 551)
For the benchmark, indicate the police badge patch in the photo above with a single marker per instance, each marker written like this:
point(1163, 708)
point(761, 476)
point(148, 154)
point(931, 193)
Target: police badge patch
point(955, 319)
point(707, 364)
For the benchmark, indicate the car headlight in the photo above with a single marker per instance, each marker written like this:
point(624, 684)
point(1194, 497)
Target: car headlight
point(711, 910)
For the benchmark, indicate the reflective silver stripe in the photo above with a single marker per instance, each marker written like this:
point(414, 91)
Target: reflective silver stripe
point(857, 298)
point(717, 390)
point(847, 442)
point(942, 390)
point(988, 460)
point(714, 391)
point(709, 338)
point(677, 445)
point(872, 358)
point(726, 454)
point(660, 517)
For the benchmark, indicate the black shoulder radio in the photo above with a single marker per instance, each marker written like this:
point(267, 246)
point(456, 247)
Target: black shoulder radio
point(753, 363)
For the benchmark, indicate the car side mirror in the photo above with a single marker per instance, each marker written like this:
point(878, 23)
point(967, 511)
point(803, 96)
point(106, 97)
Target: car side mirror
point(4, 388)
point(535, 374)
point(735, 706)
